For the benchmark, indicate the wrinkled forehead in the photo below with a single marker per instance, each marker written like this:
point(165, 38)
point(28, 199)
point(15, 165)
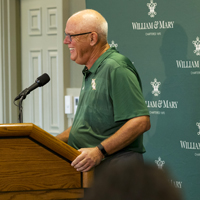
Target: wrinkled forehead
point(80, 23)
point(77, 25)
point(72, 26)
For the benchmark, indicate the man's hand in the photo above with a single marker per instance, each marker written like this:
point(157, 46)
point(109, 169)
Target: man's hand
point(89, 157)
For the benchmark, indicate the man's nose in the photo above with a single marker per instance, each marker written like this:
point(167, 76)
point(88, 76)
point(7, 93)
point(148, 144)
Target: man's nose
point(66, 40)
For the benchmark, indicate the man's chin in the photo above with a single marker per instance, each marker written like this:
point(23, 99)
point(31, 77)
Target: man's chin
point(72, 58)
point(77, 61)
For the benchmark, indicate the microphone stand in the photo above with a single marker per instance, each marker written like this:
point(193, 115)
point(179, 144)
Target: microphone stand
point(40, 81)
point(21, 107)
point(21, 110)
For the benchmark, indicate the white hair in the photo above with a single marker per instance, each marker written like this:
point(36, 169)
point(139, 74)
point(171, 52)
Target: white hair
point(102, 29)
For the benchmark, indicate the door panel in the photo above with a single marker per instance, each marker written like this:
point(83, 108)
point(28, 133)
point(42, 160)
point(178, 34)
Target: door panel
point(42, 52)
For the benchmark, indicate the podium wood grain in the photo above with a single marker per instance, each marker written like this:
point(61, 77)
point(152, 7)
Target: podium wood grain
point(35, 165)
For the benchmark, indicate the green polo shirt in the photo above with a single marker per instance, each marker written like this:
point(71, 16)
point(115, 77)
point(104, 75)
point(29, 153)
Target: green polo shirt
point(111, 94)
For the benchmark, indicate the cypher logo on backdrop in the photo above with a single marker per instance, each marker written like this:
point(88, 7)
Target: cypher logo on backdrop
point(197, 46)
point(159, 104)
point(156, 25)
point(198, 125)
point(160, 163)
point(155, 86)
point(191, 64)
point(152, 7)
point(192, 145)
point(113, 44)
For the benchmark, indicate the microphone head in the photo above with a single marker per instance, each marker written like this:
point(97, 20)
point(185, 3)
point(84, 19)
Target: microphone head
point(43, 79)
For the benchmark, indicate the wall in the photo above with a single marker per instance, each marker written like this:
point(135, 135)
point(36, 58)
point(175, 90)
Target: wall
point(11, 75)
point(9, 59)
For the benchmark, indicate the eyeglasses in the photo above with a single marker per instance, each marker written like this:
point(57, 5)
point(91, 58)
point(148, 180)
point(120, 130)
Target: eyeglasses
point(69, 35)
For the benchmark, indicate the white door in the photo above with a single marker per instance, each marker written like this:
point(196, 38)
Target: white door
point(42, 32)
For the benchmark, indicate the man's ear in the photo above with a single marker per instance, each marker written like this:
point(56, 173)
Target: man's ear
point(93, 38)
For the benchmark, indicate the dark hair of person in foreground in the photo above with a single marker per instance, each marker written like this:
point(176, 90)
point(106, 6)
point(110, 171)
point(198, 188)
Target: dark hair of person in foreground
point(128, 181)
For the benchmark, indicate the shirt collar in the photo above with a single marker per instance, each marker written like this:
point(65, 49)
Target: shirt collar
point(98, 62)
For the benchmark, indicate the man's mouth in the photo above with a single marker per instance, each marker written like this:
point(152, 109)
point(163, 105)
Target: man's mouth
point(71, 49)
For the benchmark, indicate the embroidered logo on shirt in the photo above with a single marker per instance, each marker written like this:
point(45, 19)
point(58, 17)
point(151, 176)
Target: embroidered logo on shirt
point(93, 84)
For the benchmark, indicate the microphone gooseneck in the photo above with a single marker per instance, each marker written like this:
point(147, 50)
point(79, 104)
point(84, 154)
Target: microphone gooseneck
point(39, 82)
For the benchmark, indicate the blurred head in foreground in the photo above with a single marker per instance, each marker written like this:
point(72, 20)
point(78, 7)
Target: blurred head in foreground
point(133, 181)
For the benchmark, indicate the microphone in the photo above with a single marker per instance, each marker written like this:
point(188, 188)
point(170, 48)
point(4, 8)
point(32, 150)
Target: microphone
point(40, 81)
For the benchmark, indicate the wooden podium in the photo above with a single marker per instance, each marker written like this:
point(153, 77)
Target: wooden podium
point(34, 165)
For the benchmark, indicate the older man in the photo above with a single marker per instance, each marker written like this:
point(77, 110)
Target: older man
point(111, 115)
